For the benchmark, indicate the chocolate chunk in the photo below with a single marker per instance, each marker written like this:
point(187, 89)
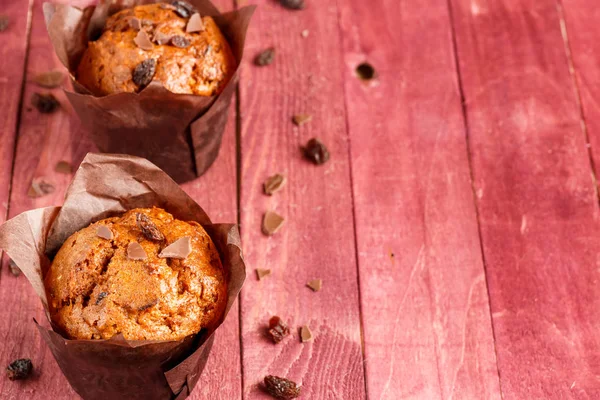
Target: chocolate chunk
point(305, 334)
point(180, 41)
point(104, 232)
point(161, 38)
point(366, 72)
point(14, 269)
point(316, 152)
point(278, 329)
point(315, 284)
point(135, 251)
point(195, 24)
point(183, 8)
point(271, 223)
point(45, 103)
point(292, 4)
point(39, 188)
point(265, 58)
point(144, 72)
point(274, 184)
point(19, 369)
point(261, 273)
point(135, 23)
point(301, 119)
point(63, 167)
point(149, 228)
point(281, 388)
point(50, 79)
point(181, 248)
point(4, 22)
point(101, 297)
point(143, 41)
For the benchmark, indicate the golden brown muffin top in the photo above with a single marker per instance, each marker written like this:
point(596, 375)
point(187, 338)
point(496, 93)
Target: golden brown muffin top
point(199, 62)
point(101, 283)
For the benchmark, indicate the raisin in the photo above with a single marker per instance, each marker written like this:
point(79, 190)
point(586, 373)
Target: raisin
point(45, 103)
point(292, 4)
point(180, 41)
point(278, 329)
point(281, 388)
point(19, 369)
point(183, 8)
point(149, 228)
point(316, 152)
point(265, 58)
point(144, 72)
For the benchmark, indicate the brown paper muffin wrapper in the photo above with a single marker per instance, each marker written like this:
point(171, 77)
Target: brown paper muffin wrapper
point(180, 133)
point(107, 185)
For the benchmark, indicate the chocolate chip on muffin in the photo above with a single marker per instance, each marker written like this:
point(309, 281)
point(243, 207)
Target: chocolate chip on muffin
point(110, 278)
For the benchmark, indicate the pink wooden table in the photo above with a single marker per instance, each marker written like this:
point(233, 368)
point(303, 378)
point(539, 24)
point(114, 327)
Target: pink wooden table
point(455, 227)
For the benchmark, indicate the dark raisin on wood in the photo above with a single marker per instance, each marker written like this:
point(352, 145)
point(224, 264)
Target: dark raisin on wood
point(149, 228)
point(19, 369)
point(366, 72)
point(292, 4)
point(278, 329)
point(45, 103)
point(281, 388)
point(316, 152)
point(183, 8)
point(180, 41)
point(266, 57)
point(144, 72)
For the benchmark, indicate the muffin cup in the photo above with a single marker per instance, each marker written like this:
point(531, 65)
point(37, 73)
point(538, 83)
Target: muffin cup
point(180, 133)
point(107, 185)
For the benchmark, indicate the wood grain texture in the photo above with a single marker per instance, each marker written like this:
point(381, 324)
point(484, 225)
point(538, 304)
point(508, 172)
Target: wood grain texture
point(536, 199)
point(317, 239)
point(427, 324)
point(43, 141)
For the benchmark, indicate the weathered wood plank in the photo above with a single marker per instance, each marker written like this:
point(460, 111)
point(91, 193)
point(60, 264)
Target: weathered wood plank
point(317, 240)
point(427, 323)
point(537, 204)
point(43, 141)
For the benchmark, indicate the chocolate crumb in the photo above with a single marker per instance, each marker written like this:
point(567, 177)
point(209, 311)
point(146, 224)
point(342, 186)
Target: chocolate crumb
point(316, 152)
point(266, 57)
point(50, 79)
point(272, 222)
point(301, 119)
point(143, 41)
point(281, 388)
point(135, 251)
point(101, 297)
point(149, 228)
point(181, 248)
point(262, 273)
point(183, 8)
point(315, 284)
point(274, 184)
point(14, 269)
point(180, 41)
point(104, 232)
point(19, 369)
point(63, 167)
point(45, 103)
point(144, 72)
point(292, 4)
point(365, 71)
point(161, 38)
point(39, 188)
point(278, 329)
point(195, 24)
point(305, 334)
point(135, 23)
point(4, 22)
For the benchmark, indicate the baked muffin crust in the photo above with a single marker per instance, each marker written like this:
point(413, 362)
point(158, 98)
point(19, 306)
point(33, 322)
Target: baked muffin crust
point(96, 289)
point(202, 68)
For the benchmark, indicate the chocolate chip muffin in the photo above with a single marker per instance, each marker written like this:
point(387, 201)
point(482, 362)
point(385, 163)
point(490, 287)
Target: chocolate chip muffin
point(144, 274)
point(169, 43)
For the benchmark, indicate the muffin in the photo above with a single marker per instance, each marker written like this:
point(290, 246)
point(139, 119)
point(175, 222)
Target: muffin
point(168, 43)
point(145, 275)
